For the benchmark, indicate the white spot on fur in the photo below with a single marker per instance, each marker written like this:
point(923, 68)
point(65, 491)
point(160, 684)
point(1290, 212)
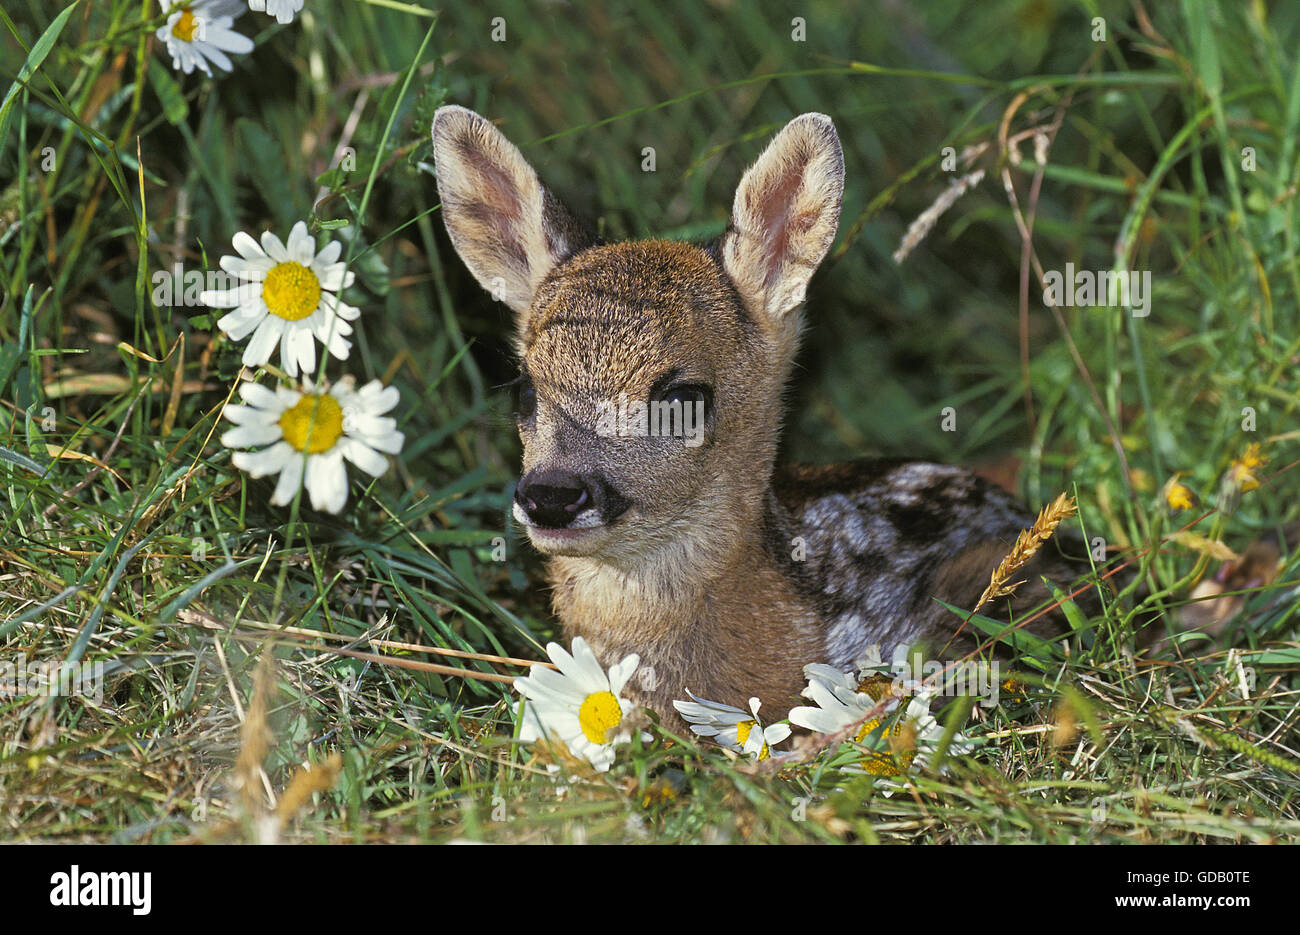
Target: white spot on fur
point(845, 638)
point(919, 474)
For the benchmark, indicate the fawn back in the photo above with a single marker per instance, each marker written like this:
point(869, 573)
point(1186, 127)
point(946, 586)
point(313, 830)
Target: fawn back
point(686, 545)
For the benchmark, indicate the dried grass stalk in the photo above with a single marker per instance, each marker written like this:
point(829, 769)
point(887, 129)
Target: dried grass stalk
point(924, 223)
point(1027, 545)
point(309, 778)
point(255, 736)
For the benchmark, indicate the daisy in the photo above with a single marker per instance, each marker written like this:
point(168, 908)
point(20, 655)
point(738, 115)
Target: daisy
point(912, 739)
point(843, 701)
point(282, 10)
point(580, 704)
point(732, 727)
point(199, 32)
point(309, 432)
point(290, 298)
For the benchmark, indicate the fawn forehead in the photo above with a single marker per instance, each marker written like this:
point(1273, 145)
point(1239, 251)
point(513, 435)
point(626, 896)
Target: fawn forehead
point(620, 316)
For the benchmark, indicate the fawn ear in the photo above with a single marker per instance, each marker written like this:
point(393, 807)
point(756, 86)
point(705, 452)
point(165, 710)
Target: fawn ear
point(785, 215)
point(506, 226)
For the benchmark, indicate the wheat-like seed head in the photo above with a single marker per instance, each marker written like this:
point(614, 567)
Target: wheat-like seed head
point(1027, 545)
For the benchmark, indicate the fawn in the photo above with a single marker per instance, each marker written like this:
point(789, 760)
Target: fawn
point(725, 574)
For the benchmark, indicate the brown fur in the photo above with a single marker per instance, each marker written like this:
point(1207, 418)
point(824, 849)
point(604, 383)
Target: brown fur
point(724, 576)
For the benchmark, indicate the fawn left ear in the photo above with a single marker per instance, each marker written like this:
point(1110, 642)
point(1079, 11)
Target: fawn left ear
point(505, 224)
point(784, 218)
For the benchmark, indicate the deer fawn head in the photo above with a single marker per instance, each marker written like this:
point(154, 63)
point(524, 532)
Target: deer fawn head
point(651, 372)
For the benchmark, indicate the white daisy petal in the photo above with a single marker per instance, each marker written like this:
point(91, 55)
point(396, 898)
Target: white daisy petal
point(259, 396)
point(214, 54)
point(332, 276)
point(267, 461)
point(815, 719)
point(240, 414)
point(327, 482)
point(228, 40)
point(301, 247)
point(255, 269)
point(380, 398)
point(274, 247)
point(365, 457)
point(367, 425)
point(327, 326)
point(588, 673)
point(776, 733)
point(264, 340)
point(248, 435)
point(340, 347)
point(328, 255)
point(829, 674)
point(561, 658)
point(239, 324)
point(290, 480)
point(341, 309)
point(823, 696)
point(247, 247)
point(297, 344)
point(530, 724)
point(620, 672)
point(546, 686)
point(229, 298)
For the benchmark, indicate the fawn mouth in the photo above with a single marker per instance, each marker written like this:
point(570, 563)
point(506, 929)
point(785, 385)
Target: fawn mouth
point(580, 537)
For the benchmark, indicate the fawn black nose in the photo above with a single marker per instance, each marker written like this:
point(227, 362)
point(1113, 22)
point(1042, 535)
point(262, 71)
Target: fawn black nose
point(553, 498)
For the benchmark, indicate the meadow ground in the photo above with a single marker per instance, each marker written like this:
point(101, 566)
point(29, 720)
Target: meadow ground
point(228, 640)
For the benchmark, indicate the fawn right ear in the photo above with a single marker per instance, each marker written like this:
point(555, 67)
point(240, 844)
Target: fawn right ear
point(506, 226)
point(784, 217)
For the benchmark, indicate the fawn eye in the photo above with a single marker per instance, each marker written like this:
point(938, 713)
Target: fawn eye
point(688, 394)
point(525, 399)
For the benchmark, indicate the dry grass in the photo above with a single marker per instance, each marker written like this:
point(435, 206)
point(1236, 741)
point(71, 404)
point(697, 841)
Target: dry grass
point(1026, 547)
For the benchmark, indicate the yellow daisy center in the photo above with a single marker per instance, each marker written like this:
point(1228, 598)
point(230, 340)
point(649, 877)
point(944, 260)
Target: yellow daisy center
point(876, 686)
point(186, 26)
point(599, 715)
point(321, 417)
point(887, 762)
point(882, 763)
point(291, 291)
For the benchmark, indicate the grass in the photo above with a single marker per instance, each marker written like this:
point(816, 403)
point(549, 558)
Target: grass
point(128, 539)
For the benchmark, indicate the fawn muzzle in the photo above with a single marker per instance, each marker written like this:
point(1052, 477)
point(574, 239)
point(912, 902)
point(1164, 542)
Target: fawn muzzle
point(552, 499)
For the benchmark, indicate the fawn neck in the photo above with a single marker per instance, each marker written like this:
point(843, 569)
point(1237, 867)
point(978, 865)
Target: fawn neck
point(708, 611)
